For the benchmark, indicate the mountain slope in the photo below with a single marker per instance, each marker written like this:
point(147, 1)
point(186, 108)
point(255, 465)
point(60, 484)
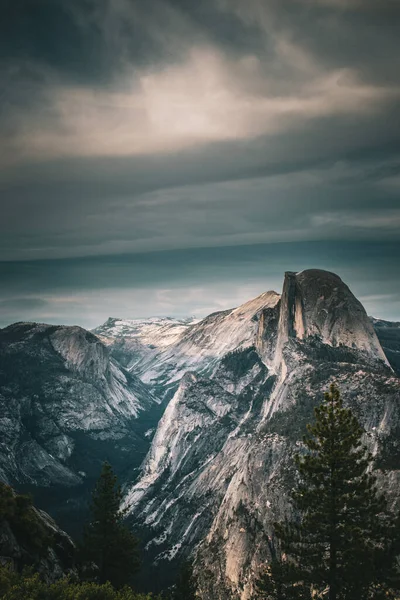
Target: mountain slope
point(30, 538)
point(66, 405)
point(389, 336)
point(241, 385)
point(220, 464)
point(170, 348)
point(136, 341)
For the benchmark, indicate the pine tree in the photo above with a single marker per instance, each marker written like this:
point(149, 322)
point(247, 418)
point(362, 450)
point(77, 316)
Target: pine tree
point(278, 579)
point(107, 542)
point(343, 544)
point(185, 588)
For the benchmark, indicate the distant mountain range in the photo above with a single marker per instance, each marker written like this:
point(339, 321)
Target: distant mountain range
point(200, 418)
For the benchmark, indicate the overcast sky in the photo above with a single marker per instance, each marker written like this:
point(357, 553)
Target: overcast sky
point(175, 157)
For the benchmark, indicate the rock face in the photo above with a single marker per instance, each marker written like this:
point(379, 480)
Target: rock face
point(221, 461)
point(211, 474)
point(66, 405)
point(317, 304)
point(389, 336)
point(137, 342)
point(170, 348)
point(31, 538)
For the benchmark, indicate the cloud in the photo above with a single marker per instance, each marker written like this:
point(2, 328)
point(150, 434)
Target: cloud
point(192, 281)
point(17, 304)
point(207, 98)
point(293, 202)
point(131, 130)
point(374, 221)
point(168, 84)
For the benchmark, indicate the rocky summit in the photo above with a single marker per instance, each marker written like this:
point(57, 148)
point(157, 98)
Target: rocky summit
point(221, 461)
point(201, 417)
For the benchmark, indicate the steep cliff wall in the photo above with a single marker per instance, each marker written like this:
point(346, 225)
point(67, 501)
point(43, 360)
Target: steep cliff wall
point(221, 463)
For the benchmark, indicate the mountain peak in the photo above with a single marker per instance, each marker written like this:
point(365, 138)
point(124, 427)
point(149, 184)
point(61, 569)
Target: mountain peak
point(317, 303)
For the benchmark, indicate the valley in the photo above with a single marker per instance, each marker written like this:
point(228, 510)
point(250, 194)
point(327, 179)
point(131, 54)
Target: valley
point(200, 418)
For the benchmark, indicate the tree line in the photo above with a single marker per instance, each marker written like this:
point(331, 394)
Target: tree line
point(107, 557)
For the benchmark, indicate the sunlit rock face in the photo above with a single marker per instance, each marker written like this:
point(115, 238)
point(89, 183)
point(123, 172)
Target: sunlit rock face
point(170, 348)
point(202, 420)
point(221, 461)
point(317, 304)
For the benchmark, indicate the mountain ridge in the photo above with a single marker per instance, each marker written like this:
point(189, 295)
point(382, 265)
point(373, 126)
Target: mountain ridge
point(66, 406)
point(213, 482)
point(201, 417)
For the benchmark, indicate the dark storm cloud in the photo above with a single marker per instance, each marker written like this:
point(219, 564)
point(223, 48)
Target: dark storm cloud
point(90, 40)
point(278, 186)
point(72, 40)
point(73, 70)
point(362, 34)
point(47, 32)
point(144, 140)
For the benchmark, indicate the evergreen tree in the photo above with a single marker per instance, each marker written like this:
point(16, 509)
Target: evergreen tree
point(30, 586)
point(278, 579)
point(185, 588)
point(108, 543)
point(343, 545)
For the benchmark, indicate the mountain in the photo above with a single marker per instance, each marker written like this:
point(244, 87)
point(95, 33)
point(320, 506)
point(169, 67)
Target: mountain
point(221, 461)
point(136, 342)
point(66, 405)
point(200, 419)
point(166, 349)
point(389, 336)
point(31, 538)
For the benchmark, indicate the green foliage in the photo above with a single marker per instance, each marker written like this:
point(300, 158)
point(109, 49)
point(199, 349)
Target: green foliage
point(389, 454)
point(292, 423)
point(23, 519)
point(185, 588)
point(278, 580)
point(239, 362)
point(28, 586)
point(344, 544)
point(109, 549)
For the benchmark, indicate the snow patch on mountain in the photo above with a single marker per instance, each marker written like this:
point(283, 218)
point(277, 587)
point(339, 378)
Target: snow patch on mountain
point(135, 343)
point(203, 345)
point(161, 350)
point(159, 332)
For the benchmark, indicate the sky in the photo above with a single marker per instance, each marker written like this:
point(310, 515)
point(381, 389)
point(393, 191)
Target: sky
point(173, 157)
